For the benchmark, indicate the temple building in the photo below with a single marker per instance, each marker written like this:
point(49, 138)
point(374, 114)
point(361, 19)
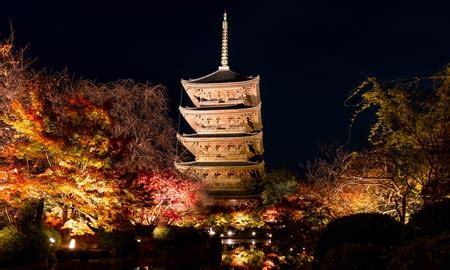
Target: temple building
point(226, 117)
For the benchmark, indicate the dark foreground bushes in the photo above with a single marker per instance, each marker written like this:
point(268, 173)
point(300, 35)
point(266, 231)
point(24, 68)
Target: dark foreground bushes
point(121, 243)
point(27, 241)
point(428, 252)
point(432, 219)
point(356, 256)
point(186, 248)
point(379, 230)
point(375, 241)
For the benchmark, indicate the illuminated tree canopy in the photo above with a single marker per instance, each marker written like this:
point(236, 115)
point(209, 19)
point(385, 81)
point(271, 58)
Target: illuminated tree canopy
point(410, 139)
point(80, 145)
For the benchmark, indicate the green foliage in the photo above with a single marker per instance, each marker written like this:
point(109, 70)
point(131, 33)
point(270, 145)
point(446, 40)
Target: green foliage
point(366, 228)
point(32, 231)
point(29, 241)
point(431, 219)
point(411, 134)
point(51, 233)
point(243, 258)
point(277, 185)
point(122, 242)
point(356, 256)
point(37, 246)
point(428, 252)
point(163, 233)
point(11, 245)
point(239, 219)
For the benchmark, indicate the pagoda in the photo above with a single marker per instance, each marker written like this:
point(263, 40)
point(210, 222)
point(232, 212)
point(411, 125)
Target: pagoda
point(226, 117)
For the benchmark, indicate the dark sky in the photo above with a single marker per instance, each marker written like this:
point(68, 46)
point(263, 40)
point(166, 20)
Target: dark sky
point(309, 54)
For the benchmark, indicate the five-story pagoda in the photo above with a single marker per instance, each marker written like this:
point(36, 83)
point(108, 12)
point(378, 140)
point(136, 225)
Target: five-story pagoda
point(227, 143)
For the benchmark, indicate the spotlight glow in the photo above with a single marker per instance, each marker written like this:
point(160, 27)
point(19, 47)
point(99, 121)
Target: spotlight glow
point(72, 244)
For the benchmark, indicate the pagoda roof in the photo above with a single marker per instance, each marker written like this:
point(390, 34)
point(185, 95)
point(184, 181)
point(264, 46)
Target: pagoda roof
point(216, 164)
point(215, 110)
point(220, 107)
point(222, 75)
point(219, 135)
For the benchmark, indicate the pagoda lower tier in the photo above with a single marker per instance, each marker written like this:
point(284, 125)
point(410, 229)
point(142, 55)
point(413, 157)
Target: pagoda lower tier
point(224, 177)
point(224, 147)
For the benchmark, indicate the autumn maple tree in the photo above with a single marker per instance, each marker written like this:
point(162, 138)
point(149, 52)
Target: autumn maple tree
point(166, 198)
point(82, 146)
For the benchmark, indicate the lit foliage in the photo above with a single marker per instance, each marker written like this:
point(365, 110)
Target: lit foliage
point(277, 185)
point(239, 219)
point(167, 199)
point(162, 233)
point(331, 181)
point(77, 144)
point(410, 137)
point(65, 163)
point(244, 258)
point(299, 217)
point(256, 258)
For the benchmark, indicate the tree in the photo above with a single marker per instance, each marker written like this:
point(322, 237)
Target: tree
point(277, 185)
point(410, 137)
point(341, 194)
point(166, 198)
point(63, 156)
point(77, 144)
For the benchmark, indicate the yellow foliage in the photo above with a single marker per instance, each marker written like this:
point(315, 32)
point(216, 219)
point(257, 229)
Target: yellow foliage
point(77, 227)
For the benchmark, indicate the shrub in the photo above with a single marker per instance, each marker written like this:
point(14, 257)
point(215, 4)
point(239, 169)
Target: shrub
point(277, 185)
point(16, 247)
point(36, 244)
point(162, 233)
point(431, 219)
point(28, 241)
point(121, 242)
point(52, 233)
point(355, 256)
point(243, 258)
point(423, 253)
point(11, 245)
point(188, 235)
point(178, 235)
point(366, 228)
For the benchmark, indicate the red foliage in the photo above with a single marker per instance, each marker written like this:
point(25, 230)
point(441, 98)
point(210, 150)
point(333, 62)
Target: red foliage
point(168, 197)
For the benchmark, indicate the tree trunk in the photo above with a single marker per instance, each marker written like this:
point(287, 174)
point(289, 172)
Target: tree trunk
point(39, 217)
point(403, 209)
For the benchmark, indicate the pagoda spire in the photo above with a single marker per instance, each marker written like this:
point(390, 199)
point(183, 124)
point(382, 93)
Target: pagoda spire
point(224, 55)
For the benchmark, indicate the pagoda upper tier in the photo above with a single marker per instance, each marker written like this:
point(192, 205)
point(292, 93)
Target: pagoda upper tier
point(223, 88)
point(224, 120)
point(227, 147)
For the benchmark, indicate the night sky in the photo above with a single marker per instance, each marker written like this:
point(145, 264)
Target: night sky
point(309, 54)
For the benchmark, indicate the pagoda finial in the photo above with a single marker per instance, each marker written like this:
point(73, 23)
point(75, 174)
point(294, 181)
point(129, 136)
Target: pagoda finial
point(224, 56)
